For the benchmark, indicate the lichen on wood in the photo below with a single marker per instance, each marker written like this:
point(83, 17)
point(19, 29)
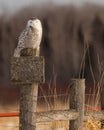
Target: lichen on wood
point(27, 70)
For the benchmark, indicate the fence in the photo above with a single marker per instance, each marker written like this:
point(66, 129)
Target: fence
point(12, 123)
point(27, 71)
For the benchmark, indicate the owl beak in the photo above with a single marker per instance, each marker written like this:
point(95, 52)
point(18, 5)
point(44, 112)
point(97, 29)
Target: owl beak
point(31, 27)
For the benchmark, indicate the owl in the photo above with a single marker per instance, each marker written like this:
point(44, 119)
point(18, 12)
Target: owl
point(30, 37)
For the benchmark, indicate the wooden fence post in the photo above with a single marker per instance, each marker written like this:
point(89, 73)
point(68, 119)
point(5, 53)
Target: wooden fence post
point(77, 100)
point(28, 104)
point(27, 71)
point(102, 104)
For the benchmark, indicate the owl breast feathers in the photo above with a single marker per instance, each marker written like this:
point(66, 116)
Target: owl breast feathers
point(30, 37)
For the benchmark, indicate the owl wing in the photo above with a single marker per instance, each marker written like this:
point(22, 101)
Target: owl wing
point(22, 38)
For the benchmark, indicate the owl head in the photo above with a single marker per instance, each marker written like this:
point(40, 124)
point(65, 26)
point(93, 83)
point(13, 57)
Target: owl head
point(34, 23)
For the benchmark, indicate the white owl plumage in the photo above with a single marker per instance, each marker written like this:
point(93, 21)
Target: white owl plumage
point(30, 37)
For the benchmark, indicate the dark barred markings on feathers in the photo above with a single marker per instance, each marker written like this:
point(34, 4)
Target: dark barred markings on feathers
point(30, 37)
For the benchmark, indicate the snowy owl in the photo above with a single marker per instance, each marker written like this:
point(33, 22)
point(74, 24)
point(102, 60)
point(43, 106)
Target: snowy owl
point(30, 37)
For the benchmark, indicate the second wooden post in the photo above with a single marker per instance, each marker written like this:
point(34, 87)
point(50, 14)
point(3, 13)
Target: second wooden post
point(77, 100)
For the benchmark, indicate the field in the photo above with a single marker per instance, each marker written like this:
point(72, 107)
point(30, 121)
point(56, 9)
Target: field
point(12, 123)
point(73, 47)
point(56, 103)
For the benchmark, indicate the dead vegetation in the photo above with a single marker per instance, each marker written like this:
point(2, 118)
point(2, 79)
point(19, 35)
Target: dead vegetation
point(67, 31)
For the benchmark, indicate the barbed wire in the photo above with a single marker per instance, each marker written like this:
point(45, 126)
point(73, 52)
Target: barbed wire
point(90, 94)
point(55, 96)
point(52, 95)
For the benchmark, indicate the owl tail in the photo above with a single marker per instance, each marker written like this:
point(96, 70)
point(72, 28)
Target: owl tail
point(17, 52)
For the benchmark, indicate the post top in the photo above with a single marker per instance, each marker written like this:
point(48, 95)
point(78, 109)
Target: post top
point(27, 69)
point(28, 52)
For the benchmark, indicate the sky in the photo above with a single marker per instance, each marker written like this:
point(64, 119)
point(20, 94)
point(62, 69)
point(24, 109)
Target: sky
point(11, 5)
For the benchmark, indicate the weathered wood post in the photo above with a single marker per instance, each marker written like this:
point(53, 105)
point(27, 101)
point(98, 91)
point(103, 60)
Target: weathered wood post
point(77, 100)
point(102, 103)
point(102, 98)
point(27, 71)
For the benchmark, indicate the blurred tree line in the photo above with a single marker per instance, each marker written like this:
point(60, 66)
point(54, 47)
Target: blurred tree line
point(72, 43)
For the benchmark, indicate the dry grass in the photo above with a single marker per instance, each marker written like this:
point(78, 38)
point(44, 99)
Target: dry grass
point(72, 33)
point(92, 124)
point(63, 39)
point(12, 123)
point(53, 101)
